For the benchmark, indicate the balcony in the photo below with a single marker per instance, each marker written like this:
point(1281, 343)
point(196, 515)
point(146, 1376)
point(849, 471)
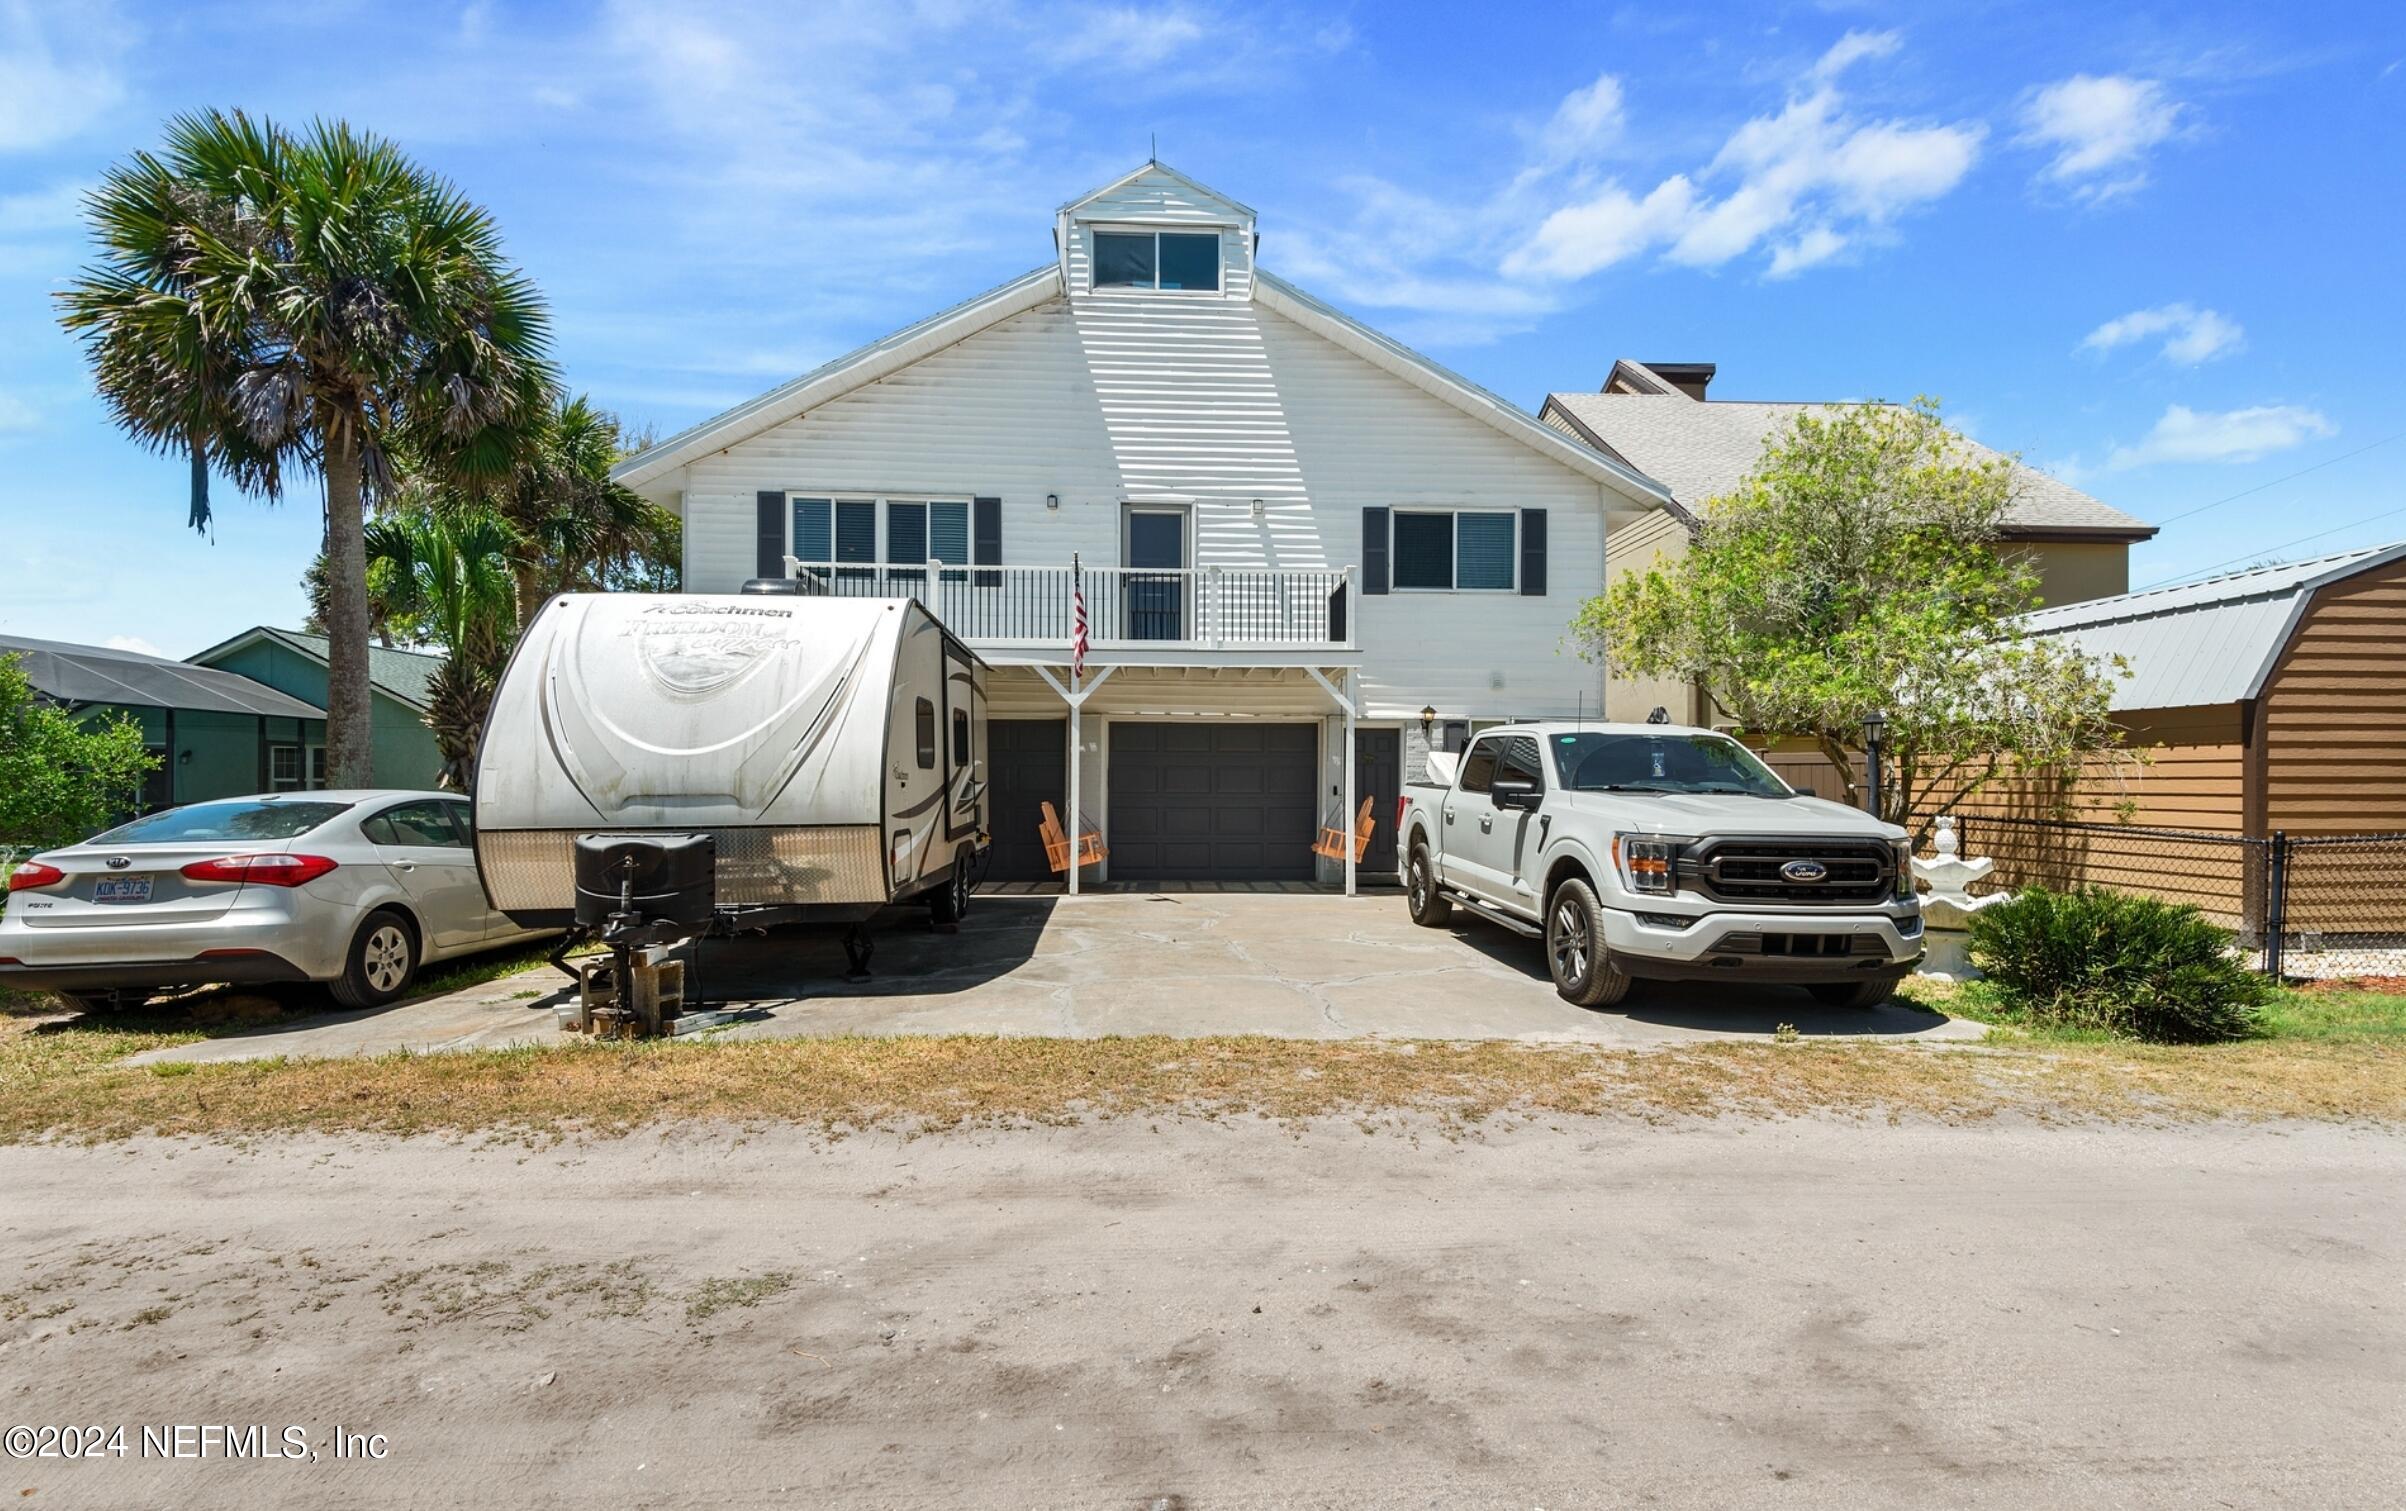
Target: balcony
point(1134, 615)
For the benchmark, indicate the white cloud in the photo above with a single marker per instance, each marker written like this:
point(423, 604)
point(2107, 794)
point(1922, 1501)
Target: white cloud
point(1817, 245)
point(2191, 335)
point(56, 79)
point(135, 644)
point(1127, 37)
point(58, 208)
point(1812, 166)
point(1586, 121)
point(1608, 227)
point(2101, 130)
point(17, 417)
point(2234, 435)
point(1853, 48)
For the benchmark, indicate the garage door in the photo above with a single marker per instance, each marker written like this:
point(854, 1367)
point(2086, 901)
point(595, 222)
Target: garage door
point(1030, 759)
point(1207, 801)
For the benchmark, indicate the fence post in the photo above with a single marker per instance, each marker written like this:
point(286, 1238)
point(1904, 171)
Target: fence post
point(2276, 902)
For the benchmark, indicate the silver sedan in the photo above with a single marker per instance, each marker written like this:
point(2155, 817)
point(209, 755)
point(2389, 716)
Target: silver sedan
point(355, 889)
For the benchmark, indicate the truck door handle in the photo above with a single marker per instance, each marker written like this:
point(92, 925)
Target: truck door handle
point(1486, 824)
point(1449, 815)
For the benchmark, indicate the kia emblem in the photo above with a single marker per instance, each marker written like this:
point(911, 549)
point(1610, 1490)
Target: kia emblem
point(1804, 870)
point(120, 862)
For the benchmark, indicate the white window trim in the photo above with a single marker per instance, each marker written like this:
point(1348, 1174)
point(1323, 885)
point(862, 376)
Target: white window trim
point(1218, 233)
point(881, 503)
point(1455, 512)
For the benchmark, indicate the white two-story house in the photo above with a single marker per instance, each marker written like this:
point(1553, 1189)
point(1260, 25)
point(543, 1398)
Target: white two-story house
point(1306, 553)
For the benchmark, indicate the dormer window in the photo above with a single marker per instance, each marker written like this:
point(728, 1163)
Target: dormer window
point(1157, 260)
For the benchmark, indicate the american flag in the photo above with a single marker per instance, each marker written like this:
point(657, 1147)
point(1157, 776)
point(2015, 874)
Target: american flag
point(1077, 631)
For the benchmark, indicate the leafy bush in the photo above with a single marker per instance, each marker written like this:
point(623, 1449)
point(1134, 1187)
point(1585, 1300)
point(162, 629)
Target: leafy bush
point(2131, 966)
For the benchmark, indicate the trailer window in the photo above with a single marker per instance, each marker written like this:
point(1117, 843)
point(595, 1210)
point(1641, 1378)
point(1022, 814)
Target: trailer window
point(927, 735)
point(960, 737)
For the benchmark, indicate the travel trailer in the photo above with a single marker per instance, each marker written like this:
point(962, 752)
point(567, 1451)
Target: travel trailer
point(834, 749)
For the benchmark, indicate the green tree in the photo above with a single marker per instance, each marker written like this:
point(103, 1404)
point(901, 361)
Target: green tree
point(268, 300)
point(444, 578)
point(62, 778)
point(576, 530)
point(1856, 570)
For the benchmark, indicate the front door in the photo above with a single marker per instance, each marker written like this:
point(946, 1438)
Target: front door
point(1156, 604)
point(1378, 776)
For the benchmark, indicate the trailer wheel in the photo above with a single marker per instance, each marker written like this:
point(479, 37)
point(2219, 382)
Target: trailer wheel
point(948, 904)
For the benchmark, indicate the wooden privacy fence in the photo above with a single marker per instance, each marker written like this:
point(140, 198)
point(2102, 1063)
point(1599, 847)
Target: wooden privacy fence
point(2318, 905)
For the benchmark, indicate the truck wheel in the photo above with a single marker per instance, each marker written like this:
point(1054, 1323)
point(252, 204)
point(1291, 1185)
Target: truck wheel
point(1870, 992)
point(383, 958)
point(1430, 909)
point(1584, 974)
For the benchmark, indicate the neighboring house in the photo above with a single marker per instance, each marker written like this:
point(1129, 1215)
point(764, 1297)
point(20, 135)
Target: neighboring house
point(294, 661)
point(1656, 417)
point(2273, 699)
point(1288, 527)
point(214, 733)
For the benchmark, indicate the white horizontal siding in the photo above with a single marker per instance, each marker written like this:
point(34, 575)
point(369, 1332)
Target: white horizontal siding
point(1213, 404)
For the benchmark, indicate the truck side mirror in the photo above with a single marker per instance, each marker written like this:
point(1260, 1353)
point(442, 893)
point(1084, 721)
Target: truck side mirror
point(1510, 792)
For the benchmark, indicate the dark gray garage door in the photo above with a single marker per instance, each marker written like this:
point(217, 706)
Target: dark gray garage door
point(1030, 760)
point(1206, 801)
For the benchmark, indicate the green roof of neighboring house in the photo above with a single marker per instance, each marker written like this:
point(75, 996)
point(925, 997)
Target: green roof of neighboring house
point(402, 674)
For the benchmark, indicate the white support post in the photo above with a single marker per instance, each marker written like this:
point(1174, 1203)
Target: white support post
point(1347, 819)
point(1075, 696)
point(1077, 746)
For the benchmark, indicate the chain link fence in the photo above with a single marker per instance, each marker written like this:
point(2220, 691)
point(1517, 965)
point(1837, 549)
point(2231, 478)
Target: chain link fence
point(2320, 906)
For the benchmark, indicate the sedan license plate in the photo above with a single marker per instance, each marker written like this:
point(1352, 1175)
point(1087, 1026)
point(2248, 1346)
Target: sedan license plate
point(121, 889)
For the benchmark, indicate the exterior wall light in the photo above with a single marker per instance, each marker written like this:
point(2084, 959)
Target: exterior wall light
point(1428, 720)
point(1257, 508)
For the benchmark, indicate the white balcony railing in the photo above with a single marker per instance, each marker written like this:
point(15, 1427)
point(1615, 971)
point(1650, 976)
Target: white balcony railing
point(1127, 608)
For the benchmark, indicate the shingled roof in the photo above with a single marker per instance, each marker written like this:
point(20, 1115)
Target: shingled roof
point(1703, 448)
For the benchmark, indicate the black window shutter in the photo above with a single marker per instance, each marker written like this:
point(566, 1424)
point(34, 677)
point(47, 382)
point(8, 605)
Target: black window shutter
point(1533, 553)
point(985, 539)
point(768, 559)
point(1374, 551)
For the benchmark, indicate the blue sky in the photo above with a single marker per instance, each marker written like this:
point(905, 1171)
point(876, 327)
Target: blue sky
point(2155, 248)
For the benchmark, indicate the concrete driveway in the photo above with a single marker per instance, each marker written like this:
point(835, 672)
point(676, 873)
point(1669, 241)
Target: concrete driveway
point(1310, 966)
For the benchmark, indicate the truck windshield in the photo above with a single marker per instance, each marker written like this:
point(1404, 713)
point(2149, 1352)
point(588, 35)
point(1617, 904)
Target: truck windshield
point(1663, 763)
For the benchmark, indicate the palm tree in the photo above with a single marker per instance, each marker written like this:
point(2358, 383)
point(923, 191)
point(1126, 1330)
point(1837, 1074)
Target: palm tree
point(577, 530)
point(267, 300)
point(444, 577)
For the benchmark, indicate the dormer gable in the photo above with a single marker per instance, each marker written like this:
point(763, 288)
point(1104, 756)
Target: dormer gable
point(1155, 232)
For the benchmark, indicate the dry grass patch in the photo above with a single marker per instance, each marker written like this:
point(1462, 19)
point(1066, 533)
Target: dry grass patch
point(67, 1081)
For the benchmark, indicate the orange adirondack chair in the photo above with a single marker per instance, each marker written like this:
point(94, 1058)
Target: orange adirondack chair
point(1056, 842)
point(1332, 840)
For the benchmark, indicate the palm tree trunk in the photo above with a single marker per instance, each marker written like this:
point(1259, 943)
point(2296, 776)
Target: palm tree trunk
point(527, 575)
point(350, 757)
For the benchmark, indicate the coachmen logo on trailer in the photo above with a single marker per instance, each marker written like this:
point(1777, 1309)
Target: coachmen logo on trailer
point(698, 648)
point(1804, 871)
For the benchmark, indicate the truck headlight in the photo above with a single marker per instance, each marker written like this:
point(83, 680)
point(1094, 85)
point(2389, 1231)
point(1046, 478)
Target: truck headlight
point(1905, 890)
point(1647, 865)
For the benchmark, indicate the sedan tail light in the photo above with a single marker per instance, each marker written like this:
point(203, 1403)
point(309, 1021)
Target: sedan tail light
point(261, 870)
point(34, 874)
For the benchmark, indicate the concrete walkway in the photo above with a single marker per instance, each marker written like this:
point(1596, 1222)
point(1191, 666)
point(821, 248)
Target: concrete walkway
point(1314, 967)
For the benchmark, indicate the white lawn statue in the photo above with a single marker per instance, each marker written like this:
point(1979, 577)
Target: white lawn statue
point(1947, 908)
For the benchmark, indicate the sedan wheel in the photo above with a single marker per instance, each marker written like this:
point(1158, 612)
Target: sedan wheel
point(384, 956)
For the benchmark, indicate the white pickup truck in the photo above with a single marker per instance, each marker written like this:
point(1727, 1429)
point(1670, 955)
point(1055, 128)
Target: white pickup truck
point(1658, 852)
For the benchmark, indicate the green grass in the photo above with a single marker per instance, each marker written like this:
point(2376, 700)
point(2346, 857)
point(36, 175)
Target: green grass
point(2300, 1014)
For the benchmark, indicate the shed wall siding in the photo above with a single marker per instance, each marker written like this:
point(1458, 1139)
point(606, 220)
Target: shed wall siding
point(1209, 404)
point(2334, 712)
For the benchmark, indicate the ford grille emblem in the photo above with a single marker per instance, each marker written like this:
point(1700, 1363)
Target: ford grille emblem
point(1804, 870)
point(120, 862)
